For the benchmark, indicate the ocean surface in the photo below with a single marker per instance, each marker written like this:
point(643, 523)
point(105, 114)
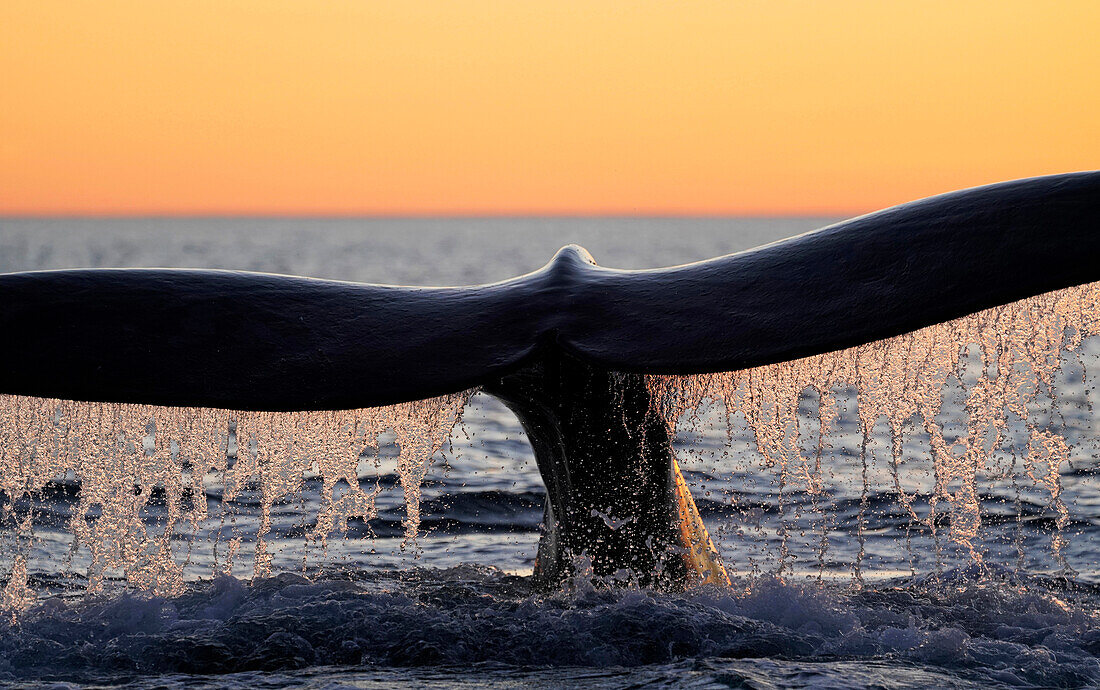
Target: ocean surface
point(842, 588)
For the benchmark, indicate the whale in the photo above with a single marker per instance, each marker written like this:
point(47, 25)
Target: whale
point(566, 347)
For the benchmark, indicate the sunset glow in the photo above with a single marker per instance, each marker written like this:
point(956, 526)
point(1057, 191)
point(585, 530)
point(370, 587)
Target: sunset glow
point(514, 107)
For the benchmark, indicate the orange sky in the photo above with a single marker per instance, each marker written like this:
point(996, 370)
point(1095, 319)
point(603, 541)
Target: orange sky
point(535, 106)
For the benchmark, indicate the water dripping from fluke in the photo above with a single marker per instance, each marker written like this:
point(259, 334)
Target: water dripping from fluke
point(155, 395)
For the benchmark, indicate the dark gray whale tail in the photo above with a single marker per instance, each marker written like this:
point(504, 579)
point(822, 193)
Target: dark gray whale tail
point(566, 347)
point(614, 491)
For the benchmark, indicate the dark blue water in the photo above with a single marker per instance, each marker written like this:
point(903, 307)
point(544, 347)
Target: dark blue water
point(457, 608)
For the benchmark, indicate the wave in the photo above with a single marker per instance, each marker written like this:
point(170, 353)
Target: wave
point(981, 625)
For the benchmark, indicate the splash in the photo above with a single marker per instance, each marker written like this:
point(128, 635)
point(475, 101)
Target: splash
point(976, 396)
point(129, 459)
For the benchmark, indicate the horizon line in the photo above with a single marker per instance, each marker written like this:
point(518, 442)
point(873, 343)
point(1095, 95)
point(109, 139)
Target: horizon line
point(428, 216)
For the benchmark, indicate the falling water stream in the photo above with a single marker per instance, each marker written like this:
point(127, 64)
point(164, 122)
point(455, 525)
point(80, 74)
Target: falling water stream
point(122, 456)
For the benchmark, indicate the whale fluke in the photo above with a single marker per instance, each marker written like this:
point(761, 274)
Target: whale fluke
point(268, 342)
point(566, 347)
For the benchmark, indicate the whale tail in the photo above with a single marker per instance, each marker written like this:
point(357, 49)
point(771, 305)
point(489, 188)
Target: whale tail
point(566, 347)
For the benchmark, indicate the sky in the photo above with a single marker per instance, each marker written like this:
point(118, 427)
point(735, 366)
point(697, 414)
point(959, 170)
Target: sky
point(535, 107)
